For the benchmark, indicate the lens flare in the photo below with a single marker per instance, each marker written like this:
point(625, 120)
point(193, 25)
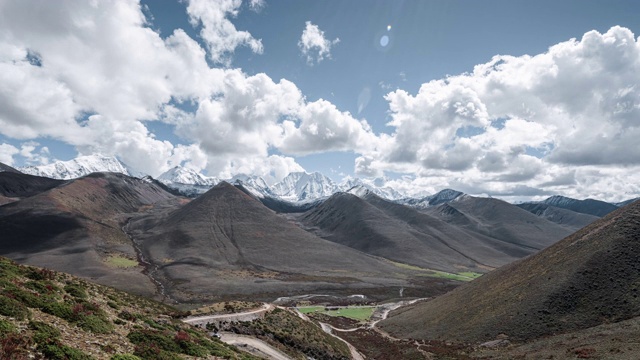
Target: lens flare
point(388, 27)
point(384, 40)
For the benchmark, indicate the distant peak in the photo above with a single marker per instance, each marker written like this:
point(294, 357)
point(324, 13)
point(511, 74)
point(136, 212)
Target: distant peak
point(359, 191)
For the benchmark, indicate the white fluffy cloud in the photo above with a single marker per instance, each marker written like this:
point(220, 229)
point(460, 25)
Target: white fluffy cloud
point(220, 35)
point(313, 44)
point(517, 124)
point(7, 151)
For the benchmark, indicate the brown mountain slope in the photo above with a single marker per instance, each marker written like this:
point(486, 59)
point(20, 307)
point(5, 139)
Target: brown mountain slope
point(14, 185)
point(502, 221)
point(443, 238)
point(76, 228)
point(401, 234)
point(589, 278)
point(565, 217)
point(225, 242)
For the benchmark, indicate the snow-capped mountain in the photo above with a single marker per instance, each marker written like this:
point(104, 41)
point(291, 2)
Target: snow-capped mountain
point(438, 198)
point(302, 187)
point(378, 189)
point(359, 191)
point(81, 166)
point(254, 184)
point(182, 175)
point(187, 181)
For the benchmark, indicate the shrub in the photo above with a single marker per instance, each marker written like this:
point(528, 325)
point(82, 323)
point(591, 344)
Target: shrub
point(125, 357)
point(113, 305)
point(60, 309)
point(125, 315)
point(57, 351)
point(6, 328)
point(150, 351)
point(43, 333)
point(76, 290)
point(161, 340)
point(32, 300)
point(12, 308)
point(95, 324)
point(14, 347)
point(40, 274)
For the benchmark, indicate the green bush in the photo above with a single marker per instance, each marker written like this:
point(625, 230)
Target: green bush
point(161, 340)
point(6, 328)
point(32, 300)
point(60, 309)
point(113, 305)
point(95, 324)
point(40, 274)
point(125, 357)
point(76, 290)
point(44, 333)
point(57, 351)
point(12, 308)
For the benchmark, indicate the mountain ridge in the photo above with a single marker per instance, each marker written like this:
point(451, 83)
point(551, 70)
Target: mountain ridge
point(589, 278)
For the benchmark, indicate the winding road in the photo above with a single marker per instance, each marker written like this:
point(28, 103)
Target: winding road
point(254, 346)
point(261, 348)
point(194, 320)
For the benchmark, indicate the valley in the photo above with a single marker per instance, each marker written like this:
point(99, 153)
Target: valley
point(350, 274)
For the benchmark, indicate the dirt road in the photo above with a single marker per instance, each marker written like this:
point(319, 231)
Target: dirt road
point(254, 346)
point(241, 316)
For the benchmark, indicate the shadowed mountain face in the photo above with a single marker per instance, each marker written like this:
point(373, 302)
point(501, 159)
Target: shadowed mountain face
point(567, 218)
point(228, 241)
point(76, 226)
point(442, 238)
point(18, 185)
point(589, 278)
point(588, 206)
point(7, 168)
point(502, 221)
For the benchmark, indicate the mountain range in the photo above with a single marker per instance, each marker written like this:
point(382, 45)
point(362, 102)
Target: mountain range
point(296, 187)
point(314, 233)
point(558, 267)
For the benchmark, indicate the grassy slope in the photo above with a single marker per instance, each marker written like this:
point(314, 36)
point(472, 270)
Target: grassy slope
point(44, 313)
point(589, 278)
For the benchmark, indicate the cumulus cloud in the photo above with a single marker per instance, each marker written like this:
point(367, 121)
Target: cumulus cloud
point(321, 127)
point(528, 120)
point(313, 44)
point(219, 33)
point(7, 151)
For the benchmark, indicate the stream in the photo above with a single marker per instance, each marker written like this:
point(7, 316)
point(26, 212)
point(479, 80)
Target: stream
point(150, 269)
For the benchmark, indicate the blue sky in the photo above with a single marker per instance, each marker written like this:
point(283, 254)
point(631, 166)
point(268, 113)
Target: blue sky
point(375, 120)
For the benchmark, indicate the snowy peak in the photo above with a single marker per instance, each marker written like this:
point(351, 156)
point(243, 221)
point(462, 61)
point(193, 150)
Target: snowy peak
point(359, 191)
point(252, 183)
point(300, 186)
point(80, 166)
point(375, 186)
point(185, 176)
point(441, 197)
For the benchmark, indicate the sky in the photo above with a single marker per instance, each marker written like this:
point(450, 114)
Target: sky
point(513, 99)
